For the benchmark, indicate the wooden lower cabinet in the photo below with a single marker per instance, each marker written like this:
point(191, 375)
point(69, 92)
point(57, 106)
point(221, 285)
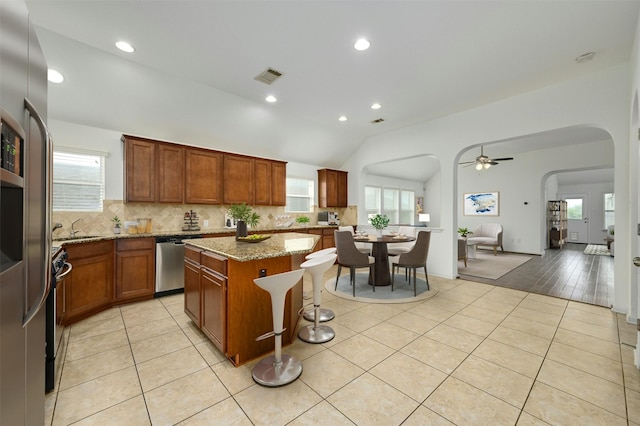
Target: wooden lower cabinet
point(192, 284)
point(327, 238)
point(89, 286)
point(135, 269)
point(214, 306)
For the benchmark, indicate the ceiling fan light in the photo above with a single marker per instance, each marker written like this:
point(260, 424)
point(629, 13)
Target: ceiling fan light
point(479, 166)
point(487, 165)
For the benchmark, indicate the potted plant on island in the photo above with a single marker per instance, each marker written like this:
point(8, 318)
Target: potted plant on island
point(303, 220)
point(379, 221)
point(244, 215)
point(464, 232)
point(117, 223)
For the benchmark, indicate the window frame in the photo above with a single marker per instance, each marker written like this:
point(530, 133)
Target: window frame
point(100, 183)
point(310, 196)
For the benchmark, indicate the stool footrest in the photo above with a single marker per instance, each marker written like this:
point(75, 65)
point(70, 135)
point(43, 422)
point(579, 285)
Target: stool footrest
point(269, 334)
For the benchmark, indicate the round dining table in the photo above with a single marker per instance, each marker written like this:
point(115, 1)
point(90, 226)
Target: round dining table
point(382, 274)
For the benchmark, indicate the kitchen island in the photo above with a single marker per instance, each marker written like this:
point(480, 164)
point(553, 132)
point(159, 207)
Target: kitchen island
point(222, 299)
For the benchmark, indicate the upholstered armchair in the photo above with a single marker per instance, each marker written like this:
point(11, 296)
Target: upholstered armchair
point(488, 235)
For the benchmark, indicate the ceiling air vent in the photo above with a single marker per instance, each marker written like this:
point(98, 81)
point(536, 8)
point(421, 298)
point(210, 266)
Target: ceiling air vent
point(378, 120)
point(268, 76)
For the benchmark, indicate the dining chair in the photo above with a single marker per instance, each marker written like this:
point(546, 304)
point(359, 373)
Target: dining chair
point(363, 247)
point(416, 258)
point(351, 257)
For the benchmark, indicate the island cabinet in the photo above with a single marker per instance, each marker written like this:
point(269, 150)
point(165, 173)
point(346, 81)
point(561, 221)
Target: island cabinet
point(234, 311)
point(326, 237)
point(192, 284)
point(213, 281)
point(204, 174)
point(332, 188)
point(238, 179)
point(89, 287)
point(135, 269)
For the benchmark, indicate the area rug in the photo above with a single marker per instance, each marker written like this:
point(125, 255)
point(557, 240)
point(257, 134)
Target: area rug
point(402, 291)
point(486, 265)
point(597, 249)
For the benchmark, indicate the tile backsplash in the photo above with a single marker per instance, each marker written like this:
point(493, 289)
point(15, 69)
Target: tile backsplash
point(169, 217)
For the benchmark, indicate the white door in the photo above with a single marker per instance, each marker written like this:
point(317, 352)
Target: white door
point(577, 220)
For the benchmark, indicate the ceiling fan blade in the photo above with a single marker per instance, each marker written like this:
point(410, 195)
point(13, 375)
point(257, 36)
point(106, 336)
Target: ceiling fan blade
point(467, 162)
point(502, 159)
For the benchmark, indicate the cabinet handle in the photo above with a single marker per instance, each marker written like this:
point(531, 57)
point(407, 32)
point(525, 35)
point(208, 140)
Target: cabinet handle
point(65, 273)
point(46, 167)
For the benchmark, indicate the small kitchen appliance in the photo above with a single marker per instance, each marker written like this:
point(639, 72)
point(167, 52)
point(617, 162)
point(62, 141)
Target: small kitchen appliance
point(328, 218)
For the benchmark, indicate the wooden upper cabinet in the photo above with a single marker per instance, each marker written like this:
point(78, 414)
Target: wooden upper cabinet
point(278, 183)
point(139, 169)
point(263, 182)
point(170, 188)
point(238, 179)
point(332, 188)
point(270, 180)
point(204, 174)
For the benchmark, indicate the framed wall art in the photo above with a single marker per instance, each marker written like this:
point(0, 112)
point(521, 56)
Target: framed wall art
point(481, 204)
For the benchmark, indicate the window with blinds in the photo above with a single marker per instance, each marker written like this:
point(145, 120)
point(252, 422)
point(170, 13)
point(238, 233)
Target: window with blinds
point(299, 195)
point(78, 181)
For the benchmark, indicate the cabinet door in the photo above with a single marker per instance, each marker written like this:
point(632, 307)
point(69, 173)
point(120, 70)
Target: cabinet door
point(203, 176)
point(214, 307)
point(278, 183)
point(139, 169)
point(262, 176)
point(89, 286)
point(192, 290)
point(170, 173)
point(341, 190)
point(238, 179)
point(135, 269)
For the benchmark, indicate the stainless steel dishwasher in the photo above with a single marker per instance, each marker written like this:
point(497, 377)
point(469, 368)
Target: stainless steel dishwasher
point(170, 264)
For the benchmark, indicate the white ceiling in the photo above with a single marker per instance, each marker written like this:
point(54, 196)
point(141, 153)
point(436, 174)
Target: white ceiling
point(191, 79)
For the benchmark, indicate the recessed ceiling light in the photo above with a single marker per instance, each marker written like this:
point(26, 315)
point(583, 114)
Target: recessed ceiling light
point(342, 118)
point(271, 99)
point(125, 47)
point(362, 44)
point(586, 57)
point(54, 76)
point(376, 106)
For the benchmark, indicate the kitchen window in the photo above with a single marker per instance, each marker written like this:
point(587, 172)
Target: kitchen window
point(78, 180)
point(300, 195)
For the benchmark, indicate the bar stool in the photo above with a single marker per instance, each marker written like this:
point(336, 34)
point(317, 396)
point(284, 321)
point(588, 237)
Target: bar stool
point(317, 267)
point(277, 369)
point(325, 314)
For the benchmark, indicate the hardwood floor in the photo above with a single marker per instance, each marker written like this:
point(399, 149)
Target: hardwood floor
point(567, 273)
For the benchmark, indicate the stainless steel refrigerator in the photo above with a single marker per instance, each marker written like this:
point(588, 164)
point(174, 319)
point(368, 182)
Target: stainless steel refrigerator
point(25, 240)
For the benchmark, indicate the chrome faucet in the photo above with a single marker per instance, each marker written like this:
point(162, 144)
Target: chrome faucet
point(57, 225)
point(73, 232)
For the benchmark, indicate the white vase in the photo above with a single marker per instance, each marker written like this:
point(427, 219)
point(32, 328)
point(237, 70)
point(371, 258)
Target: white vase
point(379, 233)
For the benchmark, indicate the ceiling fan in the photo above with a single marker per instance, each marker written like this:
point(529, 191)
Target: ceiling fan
point(484, 162)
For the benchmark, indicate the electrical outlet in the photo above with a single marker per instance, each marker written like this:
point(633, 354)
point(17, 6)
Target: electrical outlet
point(205, 223)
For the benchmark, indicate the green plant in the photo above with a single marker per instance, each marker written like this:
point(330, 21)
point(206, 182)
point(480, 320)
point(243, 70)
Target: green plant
point(116, 221)
point(244, 213)
point(464, 232)
point(302, 219)
point(379, 221)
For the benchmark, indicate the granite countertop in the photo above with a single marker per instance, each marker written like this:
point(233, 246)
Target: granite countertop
point(208, 231)
point(282, 244)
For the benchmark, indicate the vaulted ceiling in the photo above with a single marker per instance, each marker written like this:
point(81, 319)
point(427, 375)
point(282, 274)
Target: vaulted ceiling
point(191, 78)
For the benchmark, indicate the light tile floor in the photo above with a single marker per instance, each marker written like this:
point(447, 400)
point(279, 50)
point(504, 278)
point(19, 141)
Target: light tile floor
point(474, 354)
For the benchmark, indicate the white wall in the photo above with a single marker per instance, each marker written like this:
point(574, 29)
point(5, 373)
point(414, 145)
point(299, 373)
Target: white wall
point(595, 192)
point(599, 100)
point(433, 199)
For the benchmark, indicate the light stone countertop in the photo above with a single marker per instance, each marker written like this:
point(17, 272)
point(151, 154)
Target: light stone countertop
point(281, 244)
point(59, 240)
